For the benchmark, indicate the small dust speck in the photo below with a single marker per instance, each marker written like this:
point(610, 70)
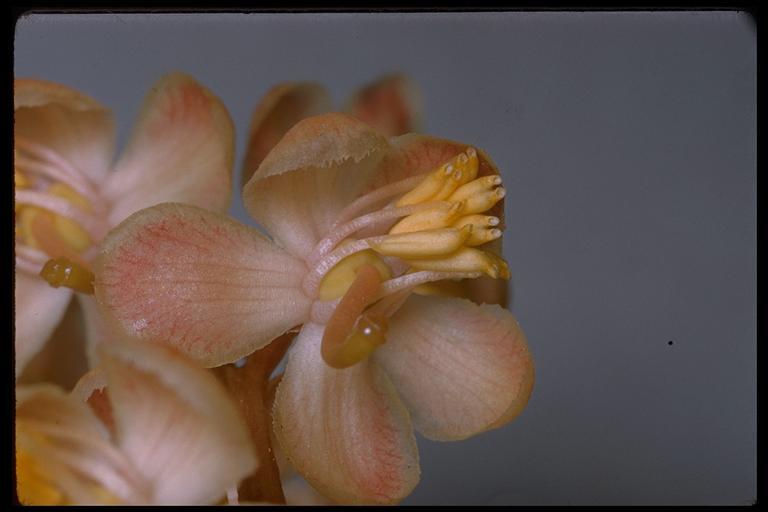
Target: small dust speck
point(670, 343)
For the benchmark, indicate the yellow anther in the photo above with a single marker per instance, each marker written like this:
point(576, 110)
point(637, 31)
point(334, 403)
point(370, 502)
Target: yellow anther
point(71, 233)
point(474, 187)
point(466, 259)
point(431, 185)
point(482, 236)
point(424, 244)
point(24, 218)
point(63, 272)
point(62, 190)
point(66, 230)
point(368, 333)
point(452, 183)
point(441, 182)
point(478, 221)
point(20, 180)
point(442, 215)
point(484, 201)
point(33, 485)
point(338, 280)
point(469, 164)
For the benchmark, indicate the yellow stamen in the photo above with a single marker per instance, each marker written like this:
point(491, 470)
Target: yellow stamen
point(20, 180)
point(63, 272)
point(66, 231)
point(466, 259)
point(455, 181)
point(482, 236)
point(485, 200)
point(427, 188)
point(441, 182)
point(424, 244)
point(33, 485)
point(62, 190)
point(338, 280)
point(475, 187)
point(441, 216)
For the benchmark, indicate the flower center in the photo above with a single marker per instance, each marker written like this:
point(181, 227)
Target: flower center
point(59, 212)
point(440, 220)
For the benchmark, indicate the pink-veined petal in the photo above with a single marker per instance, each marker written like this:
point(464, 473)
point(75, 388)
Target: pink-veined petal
point(175, 422)
point(66, 121)
point(316, 169)
point(282, 107)
point(39, 309)
point(212, 287)
point(392, 104)
point(182, 150)
point(345, 431)
point(460, 368)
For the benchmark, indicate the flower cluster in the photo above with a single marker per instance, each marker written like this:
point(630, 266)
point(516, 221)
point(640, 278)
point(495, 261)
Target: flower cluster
point(381, 268)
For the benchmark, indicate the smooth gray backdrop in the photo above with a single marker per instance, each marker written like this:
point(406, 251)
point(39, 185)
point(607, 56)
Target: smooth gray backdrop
point(627, 145)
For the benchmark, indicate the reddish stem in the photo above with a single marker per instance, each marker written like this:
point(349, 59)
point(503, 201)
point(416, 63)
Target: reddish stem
point(249, 386)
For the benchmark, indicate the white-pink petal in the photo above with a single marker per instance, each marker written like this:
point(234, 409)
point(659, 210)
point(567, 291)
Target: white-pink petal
point(317, 168)
point(182, 150)
point(176, 423)
point(62, 120)
point(39, 309)
point(460, 368)
point(345, 431)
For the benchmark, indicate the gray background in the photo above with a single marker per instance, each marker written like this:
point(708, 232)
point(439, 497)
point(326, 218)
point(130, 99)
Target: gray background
point(627, 143)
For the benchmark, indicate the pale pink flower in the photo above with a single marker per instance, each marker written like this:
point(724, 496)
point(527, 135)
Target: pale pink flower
point(369, 235)
point(170, 434)
point(69, 193)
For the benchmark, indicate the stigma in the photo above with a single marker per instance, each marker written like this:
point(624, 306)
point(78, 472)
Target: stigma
point(63, 272)
point(433, 234)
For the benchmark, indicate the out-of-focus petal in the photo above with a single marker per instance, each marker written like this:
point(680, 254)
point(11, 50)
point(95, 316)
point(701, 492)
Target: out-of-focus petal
point(63, 452)
point(92, 390)
point(66, 121)
point(392, 104)
point(62, 359)
point(345, 431)
point(416, 154)
point(199, 281)
point(298, 492)
point(94, 329)
point(39, 309)
point(182, 149)
point(176, 423)
point(316, 169)
point(283, 106)
point(460, 368)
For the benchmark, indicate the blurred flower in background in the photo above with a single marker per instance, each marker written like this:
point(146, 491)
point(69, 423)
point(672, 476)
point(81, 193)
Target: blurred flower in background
point(392, 104)
point(148, 426)
point(68, 193)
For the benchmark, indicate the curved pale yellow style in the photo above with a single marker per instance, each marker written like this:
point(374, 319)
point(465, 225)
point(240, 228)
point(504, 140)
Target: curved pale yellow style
point(69, 193)
point(376, 244)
